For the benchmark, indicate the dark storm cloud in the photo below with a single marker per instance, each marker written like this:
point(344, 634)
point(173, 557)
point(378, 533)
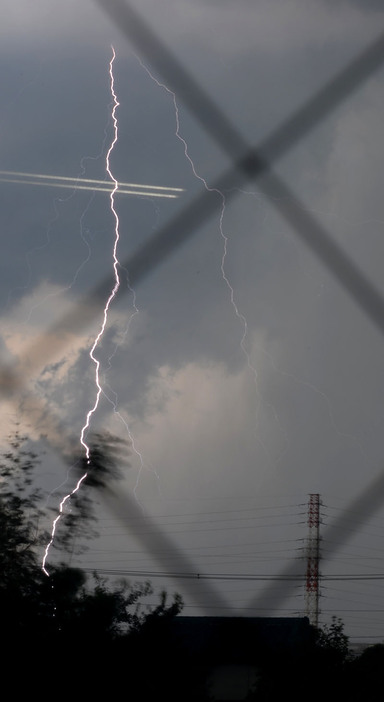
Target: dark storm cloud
point(310, 418)
point(186, 306)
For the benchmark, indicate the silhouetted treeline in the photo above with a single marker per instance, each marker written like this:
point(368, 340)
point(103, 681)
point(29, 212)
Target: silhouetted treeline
point(321, 672)
point(71, 635)
point(66, 633)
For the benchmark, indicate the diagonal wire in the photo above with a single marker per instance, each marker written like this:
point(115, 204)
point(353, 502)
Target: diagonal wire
point(211, 117)
point(248, 164)
point(172, 236)
point(309, 230)
point(247, 167)
point(158, 544)
point(367, 503)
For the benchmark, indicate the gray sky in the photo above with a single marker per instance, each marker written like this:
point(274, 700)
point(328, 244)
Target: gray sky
point(231, 430)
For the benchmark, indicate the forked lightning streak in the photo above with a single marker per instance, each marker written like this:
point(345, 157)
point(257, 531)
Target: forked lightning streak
point(241, 317)
point(105, 315)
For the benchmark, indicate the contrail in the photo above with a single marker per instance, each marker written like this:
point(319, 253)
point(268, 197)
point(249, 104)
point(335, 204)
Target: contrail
point(55, 181)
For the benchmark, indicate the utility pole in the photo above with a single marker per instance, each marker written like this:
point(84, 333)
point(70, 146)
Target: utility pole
point(312, 592)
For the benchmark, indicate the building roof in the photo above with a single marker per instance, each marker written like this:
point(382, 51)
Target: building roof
point(239, 639)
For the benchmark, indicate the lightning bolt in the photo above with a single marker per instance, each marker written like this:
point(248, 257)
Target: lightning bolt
point(115, 265)
point(108, 303)
point(240, 316)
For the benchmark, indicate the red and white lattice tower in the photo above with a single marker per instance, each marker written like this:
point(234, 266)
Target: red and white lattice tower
point(312, 591)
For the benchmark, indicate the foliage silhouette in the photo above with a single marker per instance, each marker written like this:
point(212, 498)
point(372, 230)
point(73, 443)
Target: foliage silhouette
point(108, 453)
point(332, 640)
point(67, 618)
point(99, 637)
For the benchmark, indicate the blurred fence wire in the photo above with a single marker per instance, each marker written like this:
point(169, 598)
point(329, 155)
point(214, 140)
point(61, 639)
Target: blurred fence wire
point(249, 163)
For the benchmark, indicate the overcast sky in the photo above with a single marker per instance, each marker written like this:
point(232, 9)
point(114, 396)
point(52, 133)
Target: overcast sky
point(242, 371)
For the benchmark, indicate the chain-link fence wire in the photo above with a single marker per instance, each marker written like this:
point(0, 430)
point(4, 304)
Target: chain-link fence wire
point(249, 163)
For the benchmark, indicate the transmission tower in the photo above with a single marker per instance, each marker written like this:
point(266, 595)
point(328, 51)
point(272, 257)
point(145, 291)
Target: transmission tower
point(313, 557)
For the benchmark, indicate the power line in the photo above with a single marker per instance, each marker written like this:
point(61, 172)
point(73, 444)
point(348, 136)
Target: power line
point(342, 577)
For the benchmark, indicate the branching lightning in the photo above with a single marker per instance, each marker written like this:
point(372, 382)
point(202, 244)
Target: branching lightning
point(112, 295)
point(240, 316)
point(115, 267)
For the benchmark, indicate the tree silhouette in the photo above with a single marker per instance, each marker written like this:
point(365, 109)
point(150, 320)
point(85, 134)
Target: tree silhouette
point(67, 618)
point(108, 455)
point(332, 640)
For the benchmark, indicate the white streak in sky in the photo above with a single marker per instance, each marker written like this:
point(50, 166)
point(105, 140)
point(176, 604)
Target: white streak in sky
point(89, 184)
point(105, 314)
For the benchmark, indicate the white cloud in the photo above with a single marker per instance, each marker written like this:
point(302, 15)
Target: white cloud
point(211, 428)
point(43, 378)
